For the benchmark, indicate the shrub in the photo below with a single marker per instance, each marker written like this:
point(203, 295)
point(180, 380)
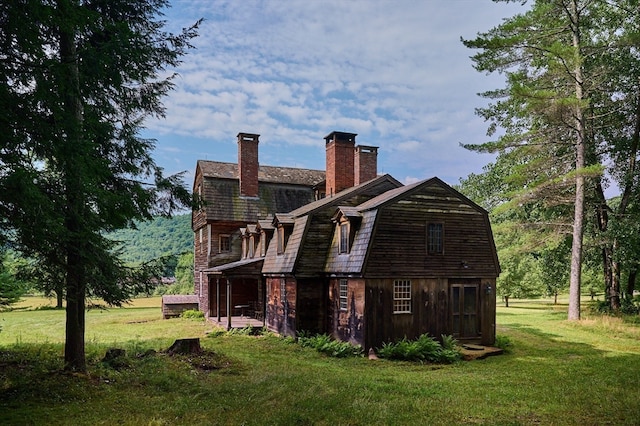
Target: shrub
point(424, 348)
point(192, 314)
point(503, 342)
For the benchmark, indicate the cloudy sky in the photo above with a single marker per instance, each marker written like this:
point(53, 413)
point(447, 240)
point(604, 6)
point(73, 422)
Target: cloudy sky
point(392, 71)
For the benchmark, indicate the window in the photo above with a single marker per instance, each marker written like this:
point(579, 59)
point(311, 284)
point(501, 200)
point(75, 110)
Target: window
point(245, 248)
point(280, 240)
point(224, 244)
point(252, 245)
point(263, 244)
point(402, 296)
point(344, 238)
point(435, 233)
point(343, 290)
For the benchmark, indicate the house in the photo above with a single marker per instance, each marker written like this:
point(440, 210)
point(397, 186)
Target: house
point(234, 226)
point(371, 262)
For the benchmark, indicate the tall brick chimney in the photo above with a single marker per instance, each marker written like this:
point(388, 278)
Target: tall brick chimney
point(248, 164)
point(365, 164)
point(340, 147)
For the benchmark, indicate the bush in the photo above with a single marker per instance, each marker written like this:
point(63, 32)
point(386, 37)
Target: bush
point(325, 344)
point(503, 342)
point(423, 349)
point(192, 314)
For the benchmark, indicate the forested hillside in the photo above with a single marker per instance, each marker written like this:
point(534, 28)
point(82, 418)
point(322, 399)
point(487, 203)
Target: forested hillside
point(156, 238)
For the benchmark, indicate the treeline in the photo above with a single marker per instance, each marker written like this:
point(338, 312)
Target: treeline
point(154, 239)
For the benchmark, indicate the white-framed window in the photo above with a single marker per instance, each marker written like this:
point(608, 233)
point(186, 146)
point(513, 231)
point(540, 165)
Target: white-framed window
point(343, 293)
point(224, 243)
point(435, 238)
point(402, 296)
point(344, 238)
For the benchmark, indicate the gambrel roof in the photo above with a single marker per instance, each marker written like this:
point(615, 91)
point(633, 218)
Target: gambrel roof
point(306, 250)
point(428, 198)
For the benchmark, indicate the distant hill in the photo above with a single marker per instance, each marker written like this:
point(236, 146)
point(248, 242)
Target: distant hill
point(156, 238)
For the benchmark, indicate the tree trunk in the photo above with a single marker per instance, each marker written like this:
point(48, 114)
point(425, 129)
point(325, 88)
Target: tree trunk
point(71, 161)
point(613, 295)
point(506, 301)
point(578, 216)
point(631, 282)
point(59, 299)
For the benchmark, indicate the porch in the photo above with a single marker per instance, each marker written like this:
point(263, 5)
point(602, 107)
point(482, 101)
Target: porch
point(237, 321)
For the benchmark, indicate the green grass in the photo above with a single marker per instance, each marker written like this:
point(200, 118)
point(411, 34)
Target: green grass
point(557, 372)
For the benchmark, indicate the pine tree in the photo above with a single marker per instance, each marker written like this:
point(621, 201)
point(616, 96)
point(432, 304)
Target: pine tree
point(77, 79)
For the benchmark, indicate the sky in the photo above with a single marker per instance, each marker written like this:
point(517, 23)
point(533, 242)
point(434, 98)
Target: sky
point(392, 71)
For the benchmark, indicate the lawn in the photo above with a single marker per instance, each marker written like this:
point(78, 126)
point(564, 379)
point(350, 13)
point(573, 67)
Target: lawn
point(556, 372)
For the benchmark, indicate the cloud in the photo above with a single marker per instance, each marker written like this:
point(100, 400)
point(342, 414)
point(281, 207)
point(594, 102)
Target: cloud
point(293, 71)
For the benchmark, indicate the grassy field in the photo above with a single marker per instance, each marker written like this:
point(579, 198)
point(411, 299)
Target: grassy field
point(556, 373)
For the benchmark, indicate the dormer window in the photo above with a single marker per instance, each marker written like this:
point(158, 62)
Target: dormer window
point(344, 238)
point(263, 244)
point(435, 238)
point(252, 245)
point(281, 240)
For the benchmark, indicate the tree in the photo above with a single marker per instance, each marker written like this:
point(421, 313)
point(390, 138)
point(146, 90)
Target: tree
point(552, 58)
point(11, 288)
point(184, 270)
point(77, 80)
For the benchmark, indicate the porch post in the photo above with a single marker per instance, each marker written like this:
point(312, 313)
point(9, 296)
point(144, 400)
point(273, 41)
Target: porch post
point(218, 298)
point(263, 300)
point(228, 303)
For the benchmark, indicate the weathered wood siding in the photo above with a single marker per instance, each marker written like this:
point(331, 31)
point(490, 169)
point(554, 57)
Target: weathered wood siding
point(430, 311)
point(348, 325)
point(175, 305)
point(400, 240)
point(281, 308)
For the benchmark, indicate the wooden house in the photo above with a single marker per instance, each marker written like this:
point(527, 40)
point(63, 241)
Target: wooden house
point(381, 261)
point(372, 261)
point(234, 226)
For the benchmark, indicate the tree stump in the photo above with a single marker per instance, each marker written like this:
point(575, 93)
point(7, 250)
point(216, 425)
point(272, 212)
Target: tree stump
point(113, 354)
point(185, 346)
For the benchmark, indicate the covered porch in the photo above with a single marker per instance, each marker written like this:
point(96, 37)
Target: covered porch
point(236, 292)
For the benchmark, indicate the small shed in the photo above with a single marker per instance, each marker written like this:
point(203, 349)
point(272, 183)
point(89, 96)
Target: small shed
point(173, 305)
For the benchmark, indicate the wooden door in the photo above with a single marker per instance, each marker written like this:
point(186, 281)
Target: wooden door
point(465, 310)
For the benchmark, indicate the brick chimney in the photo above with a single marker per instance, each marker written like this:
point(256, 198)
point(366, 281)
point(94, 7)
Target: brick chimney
point(248, 164)
point(340, 147)
point(365, 164)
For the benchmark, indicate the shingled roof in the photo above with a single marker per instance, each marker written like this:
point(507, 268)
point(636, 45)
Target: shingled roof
point(272, 174)
point(281, 189)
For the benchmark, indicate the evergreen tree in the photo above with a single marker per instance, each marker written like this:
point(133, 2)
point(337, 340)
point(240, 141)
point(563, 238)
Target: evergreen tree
point(77, 79)
point(563, 62)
